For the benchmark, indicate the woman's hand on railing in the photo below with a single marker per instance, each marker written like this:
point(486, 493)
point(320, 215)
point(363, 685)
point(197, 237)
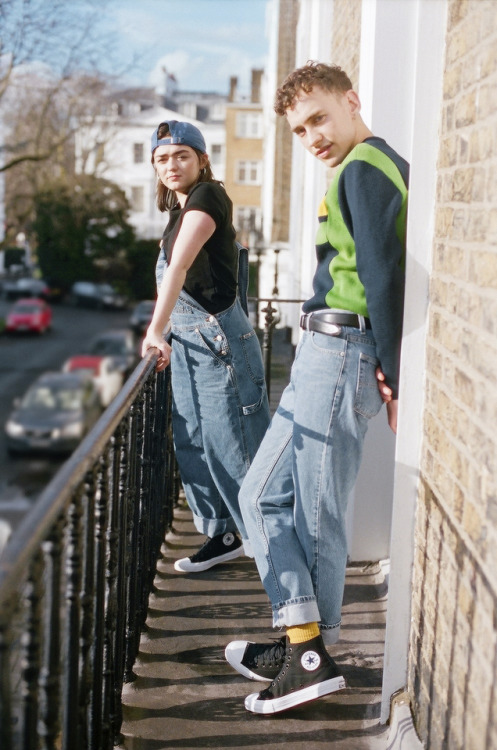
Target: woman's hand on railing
point(154, 340)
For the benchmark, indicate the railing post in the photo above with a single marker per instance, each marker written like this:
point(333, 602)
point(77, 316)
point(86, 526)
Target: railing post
point(50, 673)
point(6, 717)
point(267, 342)
point(99, 603)
point(31, 662)
point(71, 720)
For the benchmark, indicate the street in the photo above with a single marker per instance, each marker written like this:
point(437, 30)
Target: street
point(22, 359)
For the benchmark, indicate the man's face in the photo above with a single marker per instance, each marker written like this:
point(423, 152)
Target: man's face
point(326, 123)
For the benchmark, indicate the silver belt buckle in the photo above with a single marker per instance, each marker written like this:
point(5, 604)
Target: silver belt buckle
point(304, 321)
point(335, 330)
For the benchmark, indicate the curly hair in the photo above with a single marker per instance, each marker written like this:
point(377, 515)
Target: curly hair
point(329, 77)
point(166, 198)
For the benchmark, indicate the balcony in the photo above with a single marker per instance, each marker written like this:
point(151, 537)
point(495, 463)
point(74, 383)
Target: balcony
point(102, 644)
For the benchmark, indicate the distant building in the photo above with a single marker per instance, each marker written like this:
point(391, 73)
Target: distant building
point(117, 148)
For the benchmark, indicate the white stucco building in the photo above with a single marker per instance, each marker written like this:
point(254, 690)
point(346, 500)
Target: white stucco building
point(117, 148)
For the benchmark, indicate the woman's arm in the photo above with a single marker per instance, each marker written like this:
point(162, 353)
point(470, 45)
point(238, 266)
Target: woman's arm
point(196, 228)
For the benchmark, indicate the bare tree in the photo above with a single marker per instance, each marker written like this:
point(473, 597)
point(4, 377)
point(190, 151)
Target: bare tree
point(49, 54)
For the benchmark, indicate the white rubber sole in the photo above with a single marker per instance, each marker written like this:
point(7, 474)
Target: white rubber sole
point(252, 702)
point(185, 565)
point(233, 654)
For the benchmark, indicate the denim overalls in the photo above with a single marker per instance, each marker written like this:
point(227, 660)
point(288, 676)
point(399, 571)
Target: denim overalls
point(220, 405)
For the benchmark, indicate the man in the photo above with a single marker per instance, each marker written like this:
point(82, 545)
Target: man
point(294, 496)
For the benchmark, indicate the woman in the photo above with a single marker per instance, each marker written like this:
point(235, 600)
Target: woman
point(220, 406)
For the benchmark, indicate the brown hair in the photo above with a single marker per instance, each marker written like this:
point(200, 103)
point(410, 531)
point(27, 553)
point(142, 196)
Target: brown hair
point(329, 77)
point(165, 197)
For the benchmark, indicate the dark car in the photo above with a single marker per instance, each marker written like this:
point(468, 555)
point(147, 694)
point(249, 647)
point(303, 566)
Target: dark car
point(26, 287)
point(141, 316)
point(119, 344)
point(54, 415)
point(100, 296)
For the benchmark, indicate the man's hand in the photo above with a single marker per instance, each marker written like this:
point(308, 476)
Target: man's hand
point(384, 389)
point(392, 403)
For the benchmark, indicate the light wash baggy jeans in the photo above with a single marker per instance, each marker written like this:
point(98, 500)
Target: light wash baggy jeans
point(220, 409)
point(294, 497)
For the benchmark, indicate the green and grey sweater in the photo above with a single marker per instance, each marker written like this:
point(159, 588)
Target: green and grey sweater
point(360, 246)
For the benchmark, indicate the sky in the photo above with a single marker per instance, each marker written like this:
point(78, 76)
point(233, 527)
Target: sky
point(202, 42)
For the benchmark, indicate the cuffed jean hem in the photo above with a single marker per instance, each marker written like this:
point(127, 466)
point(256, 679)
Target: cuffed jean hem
point(212, 527)
point(247, 548)
point(330, 633)
point(297, 613)
point(302, 613)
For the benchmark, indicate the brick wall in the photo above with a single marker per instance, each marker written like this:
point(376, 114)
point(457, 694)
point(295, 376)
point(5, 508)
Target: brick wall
point(346, 46)
point(453, 648)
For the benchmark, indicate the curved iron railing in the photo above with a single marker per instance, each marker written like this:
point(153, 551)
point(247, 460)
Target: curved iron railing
point(76, 576)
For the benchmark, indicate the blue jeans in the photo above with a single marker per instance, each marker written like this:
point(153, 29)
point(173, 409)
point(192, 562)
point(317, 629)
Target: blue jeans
point(294, 497)
point(220, 409)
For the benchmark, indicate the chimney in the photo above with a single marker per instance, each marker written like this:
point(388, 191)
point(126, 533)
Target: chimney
point(233, 87)
point(255, 97)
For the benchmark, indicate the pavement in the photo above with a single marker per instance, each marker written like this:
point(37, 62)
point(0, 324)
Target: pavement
point(187, 696)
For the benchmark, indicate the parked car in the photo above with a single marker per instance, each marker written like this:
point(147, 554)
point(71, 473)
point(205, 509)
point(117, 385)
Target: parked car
point(54, 414)
point(89, 294)
point(26, 287)
point(106, 376)
point(119, 344)
point(141, 316)
point(29, 314)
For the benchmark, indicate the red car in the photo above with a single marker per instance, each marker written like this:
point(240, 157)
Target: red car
point(30, 314)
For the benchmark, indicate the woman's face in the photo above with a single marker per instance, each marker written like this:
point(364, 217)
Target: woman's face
point(178, 167)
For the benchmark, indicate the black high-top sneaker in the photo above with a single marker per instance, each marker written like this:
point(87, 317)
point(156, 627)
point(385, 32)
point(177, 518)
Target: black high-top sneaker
point(308, 673)
point(257, 661)
point(220, 548)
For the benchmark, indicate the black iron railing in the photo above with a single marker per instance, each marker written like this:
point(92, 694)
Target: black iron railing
point(76, 576)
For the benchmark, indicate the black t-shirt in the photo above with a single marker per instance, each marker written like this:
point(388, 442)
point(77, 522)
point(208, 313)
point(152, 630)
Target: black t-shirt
point(211, 280)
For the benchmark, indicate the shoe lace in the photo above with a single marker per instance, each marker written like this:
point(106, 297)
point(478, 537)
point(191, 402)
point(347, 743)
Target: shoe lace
point(270, 656)
point(199, 554)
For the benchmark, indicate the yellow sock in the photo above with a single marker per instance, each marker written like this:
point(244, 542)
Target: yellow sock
point(302, 633)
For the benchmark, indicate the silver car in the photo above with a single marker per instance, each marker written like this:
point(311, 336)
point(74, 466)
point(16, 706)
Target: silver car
point(54, 415)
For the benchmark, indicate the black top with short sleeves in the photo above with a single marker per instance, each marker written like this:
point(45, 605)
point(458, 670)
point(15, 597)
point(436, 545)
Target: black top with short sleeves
point(211, 280)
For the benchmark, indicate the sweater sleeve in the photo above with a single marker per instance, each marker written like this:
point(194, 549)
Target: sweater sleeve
point(371, 205)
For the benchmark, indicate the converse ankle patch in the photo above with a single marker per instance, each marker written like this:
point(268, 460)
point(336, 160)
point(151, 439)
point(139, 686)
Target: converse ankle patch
point(310, 661)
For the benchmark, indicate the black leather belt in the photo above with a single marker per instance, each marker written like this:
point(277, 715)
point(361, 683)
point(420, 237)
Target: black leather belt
point(330, 323)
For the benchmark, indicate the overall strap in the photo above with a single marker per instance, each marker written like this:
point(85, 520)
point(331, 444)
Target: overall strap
point(243, 276)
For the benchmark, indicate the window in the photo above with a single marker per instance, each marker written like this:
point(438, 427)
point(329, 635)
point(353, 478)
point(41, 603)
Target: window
point(248, 172)
point(137, 198)
point(138, 153)
point(216, 153)
point(249, 125)
point(248, 219)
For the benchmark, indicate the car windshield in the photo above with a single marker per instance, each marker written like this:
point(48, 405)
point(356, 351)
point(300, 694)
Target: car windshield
point(109, 346)
point(53, 398)
point(26, 309)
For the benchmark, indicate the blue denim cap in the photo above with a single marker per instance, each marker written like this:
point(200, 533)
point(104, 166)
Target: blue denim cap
point(181, 132)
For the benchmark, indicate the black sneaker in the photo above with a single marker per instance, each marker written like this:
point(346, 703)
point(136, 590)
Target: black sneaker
point(308, 673)
point(257, 661)
point(220, 548)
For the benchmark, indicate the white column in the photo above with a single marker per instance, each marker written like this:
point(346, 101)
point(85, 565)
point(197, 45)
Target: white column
point(425, 88)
